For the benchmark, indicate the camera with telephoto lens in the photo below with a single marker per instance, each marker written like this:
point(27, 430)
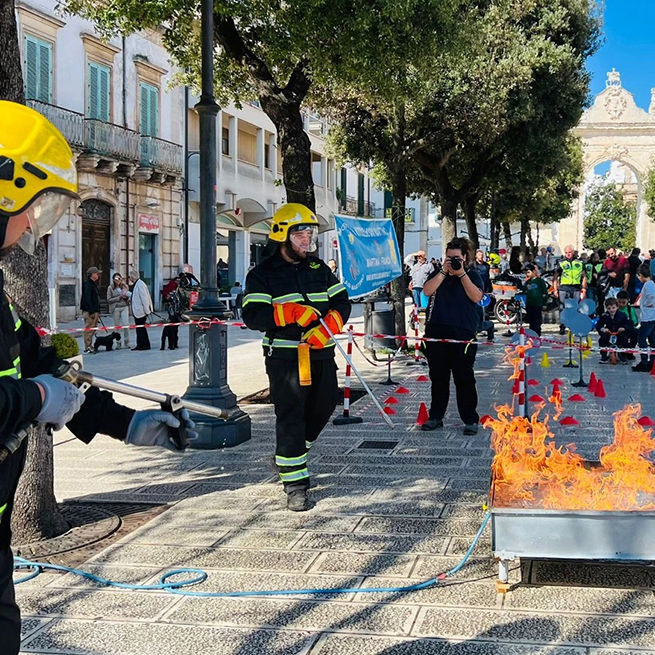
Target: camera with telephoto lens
point(456, 263)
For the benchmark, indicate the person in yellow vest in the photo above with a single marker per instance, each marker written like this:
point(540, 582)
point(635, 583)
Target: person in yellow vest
point(38, 179)
point(570, 279)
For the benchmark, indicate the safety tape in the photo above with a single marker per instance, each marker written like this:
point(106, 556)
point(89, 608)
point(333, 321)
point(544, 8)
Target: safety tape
point(206, 323)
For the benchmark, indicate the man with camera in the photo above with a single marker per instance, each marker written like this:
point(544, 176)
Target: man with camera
point(454, 314)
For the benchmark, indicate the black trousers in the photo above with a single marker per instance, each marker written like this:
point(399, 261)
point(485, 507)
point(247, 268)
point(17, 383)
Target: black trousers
point(142, 339)
point(300, 413)
point(458, 359)
point(534, 317)
point(9, 612)
point(170, 333)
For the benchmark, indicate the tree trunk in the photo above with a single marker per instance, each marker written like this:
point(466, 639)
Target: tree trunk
point(507, 233)
point(524, 234)
point(494, 225)
point(469, 205)
point(35, 515)
point(295, 148)
point(398, 288)
point(448, 221)
point(11, 76)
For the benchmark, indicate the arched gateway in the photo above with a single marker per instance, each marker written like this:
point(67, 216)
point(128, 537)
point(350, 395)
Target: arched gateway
point(615, 129)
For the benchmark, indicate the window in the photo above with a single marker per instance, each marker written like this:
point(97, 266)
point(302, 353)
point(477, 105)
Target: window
point(316, 169)
point(267, 155)
point(98, 92)
point(225, 141)
point(149, 113)
point(248, 147)
point(38, 69)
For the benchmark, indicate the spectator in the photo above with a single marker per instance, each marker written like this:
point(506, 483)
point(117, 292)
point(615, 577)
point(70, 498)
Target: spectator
point(187, 278)
point(454, 314)
point(141, 308)
point(237, 293)
point(618, 272)
point(592, 269)
point(569, 279)
point(634, 285)
point(652, 263)
point(332, 264)
point(481, 267)
point(612, 323)
point(622, 298)
point(418, 272)
point(90, 306)
point(536, 293)
point(503, 264)
point(541, 260)
point(646, 336)
point(515, 265)
point(118, 299)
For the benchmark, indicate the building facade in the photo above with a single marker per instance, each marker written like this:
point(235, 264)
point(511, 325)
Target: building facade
point(111, 101)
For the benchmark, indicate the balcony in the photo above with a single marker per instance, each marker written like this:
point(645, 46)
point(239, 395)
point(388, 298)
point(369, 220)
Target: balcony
point(69, 123)
point(109, 140)
point(161, 155)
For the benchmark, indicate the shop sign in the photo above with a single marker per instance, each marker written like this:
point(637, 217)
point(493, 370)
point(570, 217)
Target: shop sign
point(148, 223)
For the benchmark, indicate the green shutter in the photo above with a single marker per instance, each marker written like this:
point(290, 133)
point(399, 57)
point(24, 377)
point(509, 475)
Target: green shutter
point(99, 92)
point(149, 114)
point(38, 69)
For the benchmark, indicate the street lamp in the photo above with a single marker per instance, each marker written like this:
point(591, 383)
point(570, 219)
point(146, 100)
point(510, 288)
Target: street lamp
point(208, 344)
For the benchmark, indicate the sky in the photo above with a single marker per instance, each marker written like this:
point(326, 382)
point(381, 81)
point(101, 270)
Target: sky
point(628, 44)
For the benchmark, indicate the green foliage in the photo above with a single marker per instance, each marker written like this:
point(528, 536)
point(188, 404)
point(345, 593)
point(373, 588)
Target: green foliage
point(649, 193)
point(610, 219)
point(64, 345)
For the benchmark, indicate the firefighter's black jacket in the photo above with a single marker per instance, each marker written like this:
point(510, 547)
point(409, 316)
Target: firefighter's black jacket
point(20, 401)
point(309, 282)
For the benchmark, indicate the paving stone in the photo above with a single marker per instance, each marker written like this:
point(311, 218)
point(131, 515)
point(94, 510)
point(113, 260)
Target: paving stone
point(590, 573)
point(363, 564)
point(382, 496)
point(371, 543)
point(344, 644)
point(111, 638)
point(537, 627)
point(295, 614)
point(29, 625)
point(347, 505)
point(469, 483)
point(459, 546)
point(130, 575)
point(96, 604)
point(478, 567)
point(393, 525)
point(277, 539)
point(577, 599)
point(239, 581)
point(452, 592)
point(193, 534)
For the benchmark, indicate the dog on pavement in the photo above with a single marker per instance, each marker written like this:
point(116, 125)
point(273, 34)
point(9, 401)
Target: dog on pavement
point(107, 341)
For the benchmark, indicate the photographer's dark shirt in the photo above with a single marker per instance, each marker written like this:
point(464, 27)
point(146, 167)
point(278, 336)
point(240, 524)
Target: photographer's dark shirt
point(452, 310)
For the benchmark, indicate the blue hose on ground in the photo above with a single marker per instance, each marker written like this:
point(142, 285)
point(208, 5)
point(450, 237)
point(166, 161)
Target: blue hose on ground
point(200, 576)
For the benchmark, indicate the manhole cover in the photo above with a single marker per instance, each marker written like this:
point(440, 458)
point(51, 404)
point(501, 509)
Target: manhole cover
point(378, 445)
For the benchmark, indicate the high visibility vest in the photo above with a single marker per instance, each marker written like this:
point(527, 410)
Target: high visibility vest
point(571, 272)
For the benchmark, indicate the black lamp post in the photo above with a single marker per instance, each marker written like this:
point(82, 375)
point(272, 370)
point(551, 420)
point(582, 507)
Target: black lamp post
point(208, 345)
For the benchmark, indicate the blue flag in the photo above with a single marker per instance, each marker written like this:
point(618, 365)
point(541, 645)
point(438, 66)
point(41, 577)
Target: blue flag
point(369, 254)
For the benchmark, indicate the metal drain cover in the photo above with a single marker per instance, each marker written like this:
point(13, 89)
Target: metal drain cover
point(378, 445)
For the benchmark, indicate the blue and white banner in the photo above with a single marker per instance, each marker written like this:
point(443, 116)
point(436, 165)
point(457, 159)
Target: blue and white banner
point(368, 253)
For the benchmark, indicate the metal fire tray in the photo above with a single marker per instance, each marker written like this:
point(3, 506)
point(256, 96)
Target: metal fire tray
point(571, 534)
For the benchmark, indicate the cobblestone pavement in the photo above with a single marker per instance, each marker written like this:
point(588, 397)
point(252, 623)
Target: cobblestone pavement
point(385, 516)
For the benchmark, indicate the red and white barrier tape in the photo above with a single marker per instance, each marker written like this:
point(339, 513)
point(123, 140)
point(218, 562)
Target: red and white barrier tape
point(208, 322)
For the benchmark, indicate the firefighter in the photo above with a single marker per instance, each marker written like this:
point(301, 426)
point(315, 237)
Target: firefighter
point(570, 280)
point(37, 181)
point(285, 296)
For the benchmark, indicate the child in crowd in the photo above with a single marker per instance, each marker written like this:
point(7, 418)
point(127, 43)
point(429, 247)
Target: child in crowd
point(627, 309)
point(613, 323)
point(536, 293)
point(646, 335)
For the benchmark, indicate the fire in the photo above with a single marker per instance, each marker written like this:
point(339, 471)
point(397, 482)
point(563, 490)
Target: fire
point(530, 470)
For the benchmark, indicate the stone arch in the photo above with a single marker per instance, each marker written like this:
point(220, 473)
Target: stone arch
point(614, 128)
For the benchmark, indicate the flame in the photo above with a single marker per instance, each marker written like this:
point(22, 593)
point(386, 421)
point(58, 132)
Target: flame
point(530, 470)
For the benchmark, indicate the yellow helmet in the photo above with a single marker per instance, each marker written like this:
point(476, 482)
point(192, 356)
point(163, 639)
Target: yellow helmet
point(494, 258)
point(292, 214)
point(34, 159)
